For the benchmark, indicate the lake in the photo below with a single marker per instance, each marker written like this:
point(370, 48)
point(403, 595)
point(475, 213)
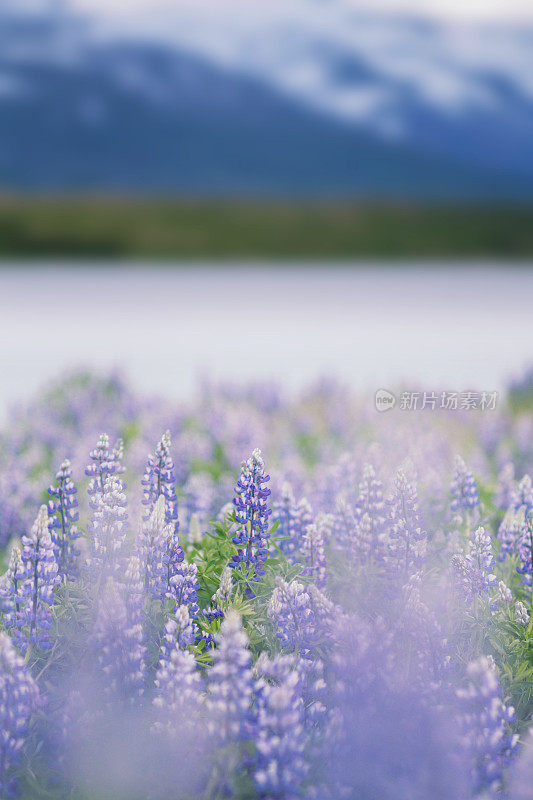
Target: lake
point(435, 325)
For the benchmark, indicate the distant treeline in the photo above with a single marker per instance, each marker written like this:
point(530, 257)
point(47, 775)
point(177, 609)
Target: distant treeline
point(74, 227)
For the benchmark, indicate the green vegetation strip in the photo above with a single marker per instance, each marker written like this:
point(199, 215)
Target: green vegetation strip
point(170, 229)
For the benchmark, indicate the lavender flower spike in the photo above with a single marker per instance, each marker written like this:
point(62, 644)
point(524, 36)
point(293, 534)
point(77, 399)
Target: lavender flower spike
point(18, 699)
point(36, 593)
point(63, 516)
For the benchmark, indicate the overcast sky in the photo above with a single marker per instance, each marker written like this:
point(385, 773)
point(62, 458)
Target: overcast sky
point(473, 9)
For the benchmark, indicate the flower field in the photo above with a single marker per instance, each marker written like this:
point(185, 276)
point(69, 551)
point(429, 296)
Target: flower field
point(266, 597)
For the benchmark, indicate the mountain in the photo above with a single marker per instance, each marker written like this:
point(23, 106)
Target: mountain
point(82, 111)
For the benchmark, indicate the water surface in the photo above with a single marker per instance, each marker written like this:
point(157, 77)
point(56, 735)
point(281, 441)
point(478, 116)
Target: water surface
point(372, 326)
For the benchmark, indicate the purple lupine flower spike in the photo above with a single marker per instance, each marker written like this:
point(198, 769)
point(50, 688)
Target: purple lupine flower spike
point(180, 632)
point(103, 464)
point(487, 725)
point(293, 520)
point(407, 540)
point(153, 544)
point(302, 615)
point(36, 592)
point(280, 742)
point(179, 699)
point(525, 553)
point(463, 488)
point(159, 479)
point(474, 571)
point(252, 516)
point(231, 682)
point(63, 510)
point(505, 487)
point(9, 589)
point(118, 640)
point(521, 614)
point(314, 556)
point(371, 502)
point(108, 530)
point(19, 697)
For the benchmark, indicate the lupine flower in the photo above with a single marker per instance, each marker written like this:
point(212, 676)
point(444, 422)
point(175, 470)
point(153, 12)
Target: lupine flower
point(525, 553)
point(199, 495)
point(117, 455)
point(384, 740)
point(463, 488)
point(314, 557)
point(184, 586)
point(301, 615)
point(252, 515)
point(352, 533)
point(505, 487)
point(513, 528)
point(231, 683)
point(219, 602)
point(371, 502)
point(159, 479)
point(521, 614)
point(10, 589)
point(511, 532)
point(486, 722)
point(522, 775)
point(36, 592)
point(302, 518)
point(108, 529)
point(419, 631)
point(103, 464)
point(118, 646)
point(18, 699)
point(293, 520)
point(180, 632)
point(154, 542)
point(17, 496)
point(63, 516)
point(224, 592)
point(474, 571)
point(406, 537)
point(504, 595)
point(283, 512)
point(179, 699)
point(280, 767)
point(195, 531)
point(522, 495)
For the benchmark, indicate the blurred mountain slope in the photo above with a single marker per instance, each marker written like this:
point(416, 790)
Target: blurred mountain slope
point(84, 111)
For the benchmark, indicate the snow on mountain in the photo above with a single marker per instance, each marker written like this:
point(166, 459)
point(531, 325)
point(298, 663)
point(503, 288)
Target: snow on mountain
point(351, 89)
